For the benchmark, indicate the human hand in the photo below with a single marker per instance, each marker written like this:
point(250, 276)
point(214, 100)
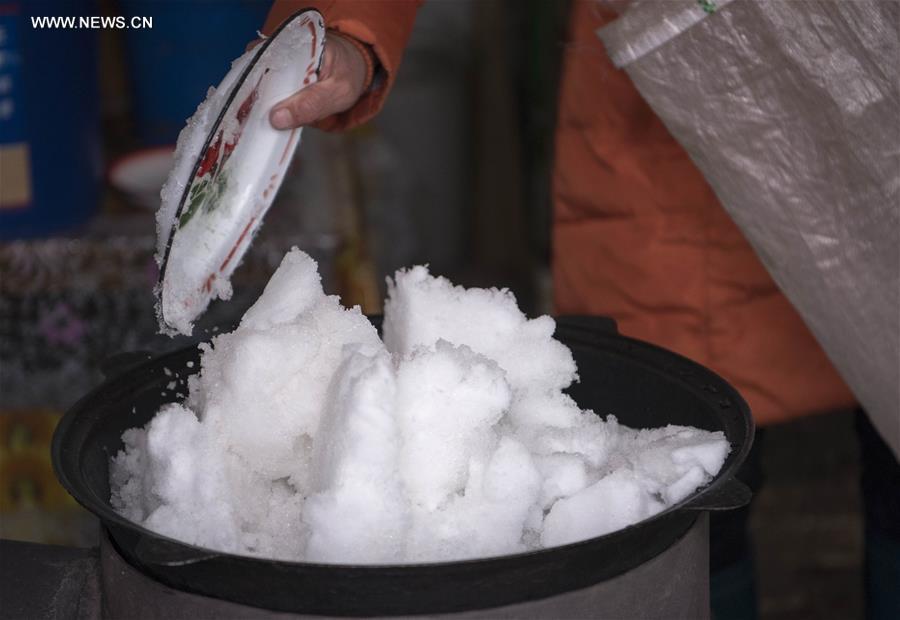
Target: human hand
point(342, 80)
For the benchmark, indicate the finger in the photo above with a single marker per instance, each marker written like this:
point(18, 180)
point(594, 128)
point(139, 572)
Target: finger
point(311, 104)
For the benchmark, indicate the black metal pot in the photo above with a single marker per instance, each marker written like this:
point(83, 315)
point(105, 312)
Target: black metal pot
point(643, 385)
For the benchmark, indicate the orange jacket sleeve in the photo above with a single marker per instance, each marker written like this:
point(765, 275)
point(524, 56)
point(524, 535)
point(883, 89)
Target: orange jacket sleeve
point(383, 25)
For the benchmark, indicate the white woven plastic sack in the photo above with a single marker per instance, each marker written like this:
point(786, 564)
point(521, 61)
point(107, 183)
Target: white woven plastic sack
point(791, 111)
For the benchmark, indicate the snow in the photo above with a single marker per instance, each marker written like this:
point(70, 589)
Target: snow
point(613, 502)
point(307, 437)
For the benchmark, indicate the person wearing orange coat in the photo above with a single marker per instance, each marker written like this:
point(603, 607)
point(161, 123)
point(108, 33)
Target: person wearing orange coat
point(638, 235)
point(366, 43)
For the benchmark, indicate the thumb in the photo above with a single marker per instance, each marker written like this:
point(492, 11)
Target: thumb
point(303, 108)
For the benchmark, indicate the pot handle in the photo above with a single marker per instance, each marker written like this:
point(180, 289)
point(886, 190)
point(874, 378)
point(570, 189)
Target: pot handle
point(162, 553)
point(120, 363)
point(729, 495)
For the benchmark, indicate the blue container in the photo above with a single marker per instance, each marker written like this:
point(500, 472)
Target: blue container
point(189, 48)
point(50, 161)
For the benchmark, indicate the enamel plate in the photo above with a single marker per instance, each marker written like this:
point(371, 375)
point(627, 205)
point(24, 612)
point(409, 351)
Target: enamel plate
point(229, 164)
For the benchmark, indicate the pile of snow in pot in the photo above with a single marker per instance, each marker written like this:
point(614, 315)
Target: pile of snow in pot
point(306, 437)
